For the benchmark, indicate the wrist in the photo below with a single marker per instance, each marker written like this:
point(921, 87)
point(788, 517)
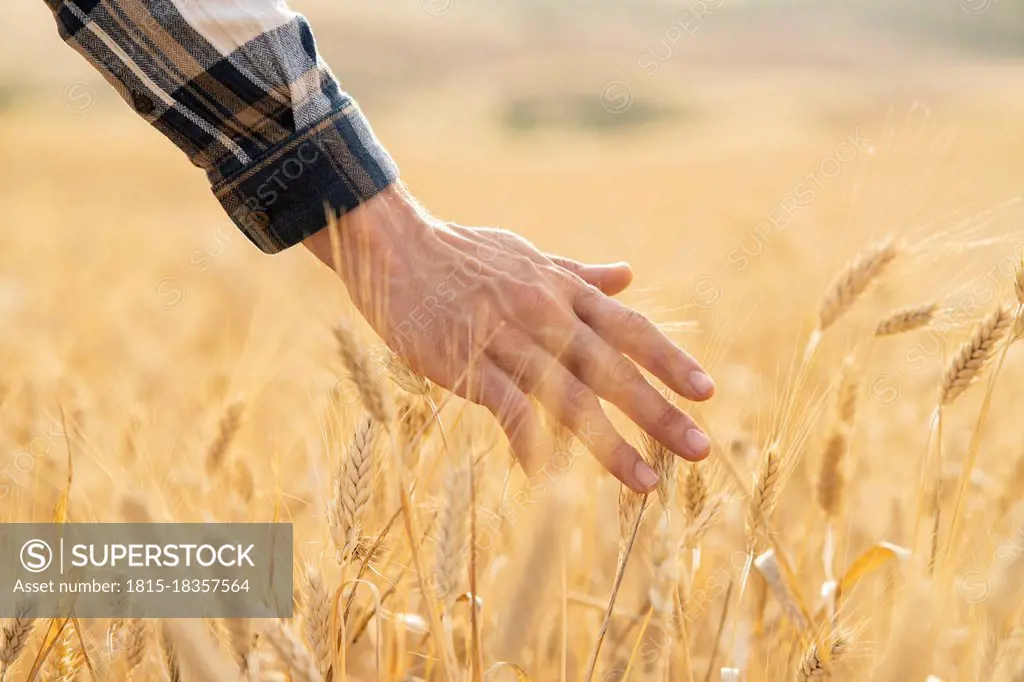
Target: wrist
point(377, 225)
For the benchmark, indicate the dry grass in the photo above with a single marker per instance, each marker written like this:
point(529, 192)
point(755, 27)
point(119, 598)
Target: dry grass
point(718, 577)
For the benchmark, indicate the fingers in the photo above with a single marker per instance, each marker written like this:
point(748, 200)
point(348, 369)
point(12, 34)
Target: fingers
point(616, 379)
point(576, 405)
point(489, 386)
point(611, 279)
point(633, 334)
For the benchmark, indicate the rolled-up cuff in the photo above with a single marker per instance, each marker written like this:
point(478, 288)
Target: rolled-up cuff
point(280, 198)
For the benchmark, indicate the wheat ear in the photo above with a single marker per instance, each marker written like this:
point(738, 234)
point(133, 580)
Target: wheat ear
point(240, 637)
point(358, 365)
point(762, 497)
point(664, 463)
point(134, 639)
point(405, 378)
point(171, 662)
point(907, 319)
point(831, 478)
point(975, 354)
point(229, 424)
point(451, 528)
point(292, 654)
point(701, 508)
point(316, 623)
point(631, 505)
point(69, 657)
point(853, 281)
point(352, 489)
point(695, 492)
point(814, 666)
point(16, 633)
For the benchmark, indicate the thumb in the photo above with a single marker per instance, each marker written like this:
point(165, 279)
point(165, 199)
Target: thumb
point(611, 278)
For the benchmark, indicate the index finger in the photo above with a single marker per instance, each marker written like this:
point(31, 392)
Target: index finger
point(631, 333)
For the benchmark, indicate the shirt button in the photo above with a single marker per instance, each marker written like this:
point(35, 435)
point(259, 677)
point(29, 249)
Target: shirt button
point(142, 103)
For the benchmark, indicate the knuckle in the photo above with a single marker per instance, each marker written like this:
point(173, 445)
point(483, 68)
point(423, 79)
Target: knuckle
point(668, 416)
point(624, 372)
point(633, 322)
point(579, 398)
point(514, 411)
point(532, 298)
point(588, 294)
point(622, 459)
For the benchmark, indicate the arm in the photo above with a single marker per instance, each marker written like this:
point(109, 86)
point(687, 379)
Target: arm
point(239, 87)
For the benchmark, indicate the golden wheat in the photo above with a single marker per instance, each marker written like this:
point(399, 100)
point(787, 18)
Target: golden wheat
point(832, 478)
point(229, 424)
point(762, 497)
point(813, 666)
point(16, 633)
point(316, 624)
point(296, 660)
point(975, 354)
point(172, 665)
point(359, 367)
point(352, 489)
point(907, 319)
point(851, 283)
point(664, 464)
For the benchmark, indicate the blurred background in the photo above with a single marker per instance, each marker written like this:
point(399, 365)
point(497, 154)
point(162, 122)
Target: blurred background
point(738, 153)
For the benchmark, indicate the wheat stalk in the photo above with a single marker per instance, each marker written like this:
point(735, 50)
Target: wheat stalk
point(661, 591)
point(769, 566)
point(358, 365)
point(853, 281)
point(353, 487)
point(907, 319)
point(631, 513)
point(1018, 289)
point(316, 624)
point(1018, 280)
point(975, 354)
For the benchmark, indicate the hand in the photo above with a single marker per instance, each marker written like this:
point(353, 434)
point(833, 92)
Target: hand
point(486, 315)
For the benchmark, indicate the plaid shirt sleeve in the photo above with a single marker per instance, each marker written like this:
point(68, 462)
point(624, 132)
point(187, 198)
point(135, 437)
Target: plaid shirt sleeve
point(239, 86)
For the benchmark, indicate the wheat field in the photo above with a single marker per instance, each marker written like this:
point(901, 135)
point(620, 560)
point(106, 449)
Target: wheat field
point(838, 241)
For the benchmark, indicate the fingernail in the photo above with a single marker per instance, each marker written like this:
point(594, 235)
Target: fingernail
point(701, 383)
point(698, 441)
point(645, 475)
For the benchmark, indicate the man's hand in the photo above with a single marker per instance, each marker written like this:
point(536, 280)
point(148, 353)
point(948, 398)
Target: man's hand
point(486, 315)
